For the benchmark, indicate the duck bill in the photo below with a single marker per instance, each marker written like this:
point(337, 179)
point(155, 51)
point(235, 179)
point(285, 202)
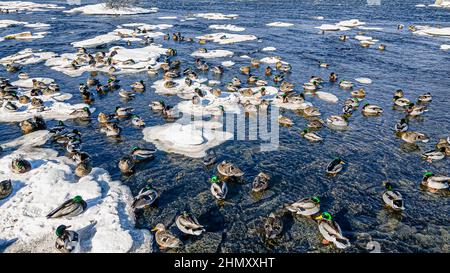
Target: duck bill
point(318, 217)
point(155, 229)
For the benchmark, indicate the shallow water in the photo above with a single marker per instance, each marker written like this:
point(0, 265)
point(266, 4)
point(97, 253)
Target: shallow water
point(411, 62)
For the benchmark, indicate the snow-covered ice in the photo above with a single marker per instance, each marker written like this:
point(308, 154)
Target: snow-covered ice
point(216, 53)
point(102, 9)
point(227, 27)
point(227, 38)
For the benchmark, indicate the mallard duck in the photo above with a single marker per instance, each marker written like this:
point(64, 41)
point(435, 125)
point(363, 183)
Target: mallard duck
point(442, 144)
point(382, 47)
point(83, 168)
point(360, 93)
point(333, 77)
point(13, 67)
point(126, 94)
point(83, 113)
point(261, 182)
point(137, 121)
point(343, 38)
point(69, 208)
point(306, 207)
point(152, 71)
point(10, 107)
point(245, 70)
point(219, 188)
point(311, 136)
point(398, 94)
point(111, 129)
point(371, 110)
point(425, 98)
point(170, 112)
point(20, 165)
point(139, 154)
point(218, 70)
point(311, 111)
point(335, 166)
point(286, 86)
point(273, 226)
point(310, 87)
point(285, 121)
point(249, 107)
point(104, 118)
point(80, 157)
point(315, 124)
point(401, 126)
point(337, 121)
point(27, 126)
point(353, 102)
point(236, 82)
point(435, 183)
point(331, 231)
point(92, 81)
point(413, 137)
point(171, 52)
point(229, 170)
point(323, 64)
point(416, 110)
point(255, 62)
point(283, 67)
point(251, 79)
point(123, 112)
point(67, 240)
point(169, 84)
point(268, 71)
point(189, 224)
point(126, 165)
point(88, 97)
point(157, 105)
point(165, 239)
point(345, 84)
point(434, 155)
point(138, 85)
point(393, 199)
point(145, 198)
point(401, 101)
point(6, 189)
point(264, 105)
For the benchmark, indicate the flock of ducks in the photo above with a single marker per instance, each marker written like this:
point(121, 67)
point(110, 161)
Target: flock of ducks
point(70, 139)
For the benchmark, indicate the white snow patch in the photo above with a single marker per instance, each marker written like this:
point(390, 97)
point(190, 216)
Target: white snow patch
point(216, 53)
point(227, 27)
point(269, 48)
point(364, 80)
point(227, 38)
point(227, 63)
point(279, 24)
point(102, 9)
point(216, 16)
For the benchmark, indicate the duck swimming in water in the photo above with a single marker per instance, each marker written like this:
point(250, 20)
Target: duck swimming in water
point(139, 154)
point(83, 168)
point(145, 198)
point(311, 111)
point(20, 166)
point(137, 121)
point(401, 126)
point(393, 199)
point(6, 189)
point(335, 166)
point(157, 105)
point(416, 110)
point(111, 129)
point(331, 231)
point(67, 240)
point(345, 84)
point(434, 182)
point(425, 98)
point(273, 226)
point(434, 155)
point(305, 207)
point(413, 137)
point(83, 113)
point(337, 121)
point(371, 110)
point(126, 165)
point(138, 85)
point(69, 208)
point(261, 182)
point(188, 224)
point(311, 136)
point(219, 188)
point(165, 239)
point(333, 77)
point(123, 112)
point(285, 121)
point(229, 170)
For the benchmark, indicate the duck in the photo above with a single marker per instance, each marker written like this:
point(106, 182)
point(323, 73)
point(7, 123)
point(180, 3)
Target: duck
point(353, 102)
point(10, 107)
point(170, 112)
point(138, 85)
point(331, 231)
point(360, 93)
point(345, 84)
point(333, 77)
point(434, 155)
point(311, 111)
point(88, 97)
point(398, 93)
point(268, 71)
point(335, 166)
point(188, 224)
point(371, 110)
point(305, 207)
point(249, 107)
point(425, 98)
point(255, 62)
point(413, 137)
point(393, 199)
point(283, 67)
point(20, 166)
point(13, 67)
point(435, 183)
point(126, 165)
point(24, 99)
point(137, 121)
point(157, 105)
point(261, 182)
point(343, 38)
point(401, 126)
point(311, 136)
point(33, 124)
point(105, 118)
point(111, 129)
point(23, 76)
point(91, 81)
point(67, 241)
point(401, 101)
point(165, 239)
point(126, 94)
point(83, 168)
point(123, 112)
point(323, 64)
point(80, 157)
point(236, 82)
point(219, 188)
point(218, 70)
point(6, 189)
point(309, 87)
point(285, 121)
point(140, 154)
point(245, 70)
point(442, 143)
point(382, 47)
point(264, 105)
point(337, 121)
point(273, 226)
point(145, 198)
point(229, 169)
point(315, 124)
point(416, 110)
point(82, 113)
point(69, 208)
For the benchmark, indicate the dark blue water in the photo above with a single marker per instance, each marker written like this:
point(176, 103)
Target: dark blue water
point(412, 63)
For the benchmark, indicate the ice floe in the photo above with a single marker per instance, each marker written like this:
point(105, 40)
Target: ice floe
point(167, 17)
point(269, 48)
point(27, 56)
point(97, 41)
point(342, 25)
point(180, 88)
point(48, 184)
point(445, 47)
point(432, 31)
point(227, 27)
point(363, 80)
point(227, 63)
point(326, 96)
point(27, 6)
point(27, 35)
point(216, 16)
point(227, 38)
point(103, 9)
point(8, 23)
point(192, 139)
point(216, 53)
point(441, 4)
point(279, 24)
